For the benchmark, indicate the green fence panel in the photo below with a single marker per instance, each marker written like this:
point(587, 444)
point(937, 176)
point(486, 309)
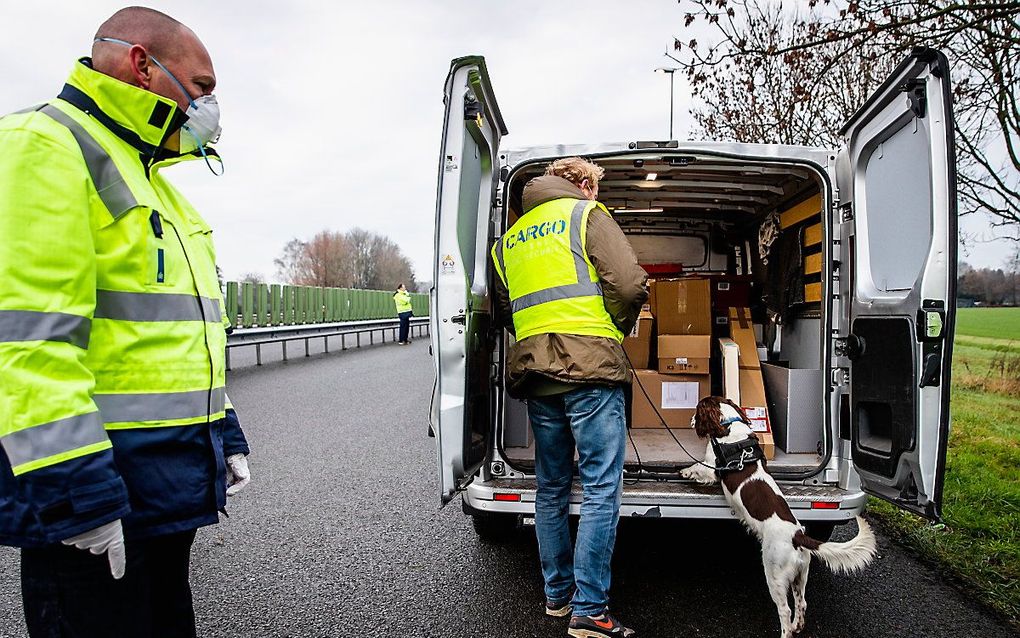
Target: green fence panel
point(247, 304)
point(230, 301)
point(341, 304)
point(327, 301)
point(365, 300)
point(311, 316)
point(355, 302)
point(275, 305)
point(262, 304)
point(287, 303)
point(383, 298)
point(299, 304)
point(320, 304)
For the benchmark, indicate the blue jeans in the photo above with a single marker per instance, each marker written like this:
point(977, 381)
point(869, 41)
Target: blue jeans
point(594, 419)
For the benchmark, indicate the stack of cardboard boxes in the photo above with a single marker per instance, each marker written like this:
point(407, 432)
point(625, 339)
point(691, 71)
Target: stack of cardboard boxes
point(668, 388)
point(671, 351)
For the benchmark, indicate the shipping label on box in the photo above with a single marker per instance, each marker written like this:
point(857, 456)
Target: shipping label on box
point(680, 395)
point(759, 418)
point(666, 397)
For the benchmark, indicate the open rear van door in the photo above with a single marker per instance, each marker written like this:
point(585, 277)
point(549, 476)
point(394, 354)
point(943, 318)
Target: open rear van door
point(462, 337)
point(897, 186)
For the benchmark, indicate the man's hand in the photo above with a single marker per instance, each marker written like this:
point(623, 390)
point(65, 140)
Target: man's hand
point(238, 475)
point(108, 539)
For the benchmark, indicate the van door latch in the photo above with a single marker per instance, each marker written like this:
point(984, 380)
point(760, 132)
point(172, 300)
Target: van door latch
point(461, 319)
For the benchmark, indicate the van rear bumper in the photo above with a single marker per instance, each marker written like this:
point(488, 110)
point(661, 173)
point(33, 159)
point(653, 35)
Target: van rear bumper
point(669, 500)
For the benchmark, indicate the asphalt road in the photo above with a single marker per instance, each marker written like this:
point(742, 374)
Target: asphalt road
point(340, 534)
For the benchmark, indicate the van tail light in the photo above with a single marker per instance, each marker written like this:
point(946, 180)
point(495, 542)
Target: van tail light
point(514, 498)
point(824, 505)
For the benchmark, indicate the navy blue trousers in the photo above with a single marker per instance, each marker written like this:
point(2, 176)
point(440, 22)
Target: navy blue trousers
point(69, 593)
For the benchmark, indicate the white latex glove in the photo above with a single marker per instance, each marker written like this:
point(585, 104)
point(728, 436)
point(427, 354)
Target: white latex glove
point(238, 475)
point(108, 539)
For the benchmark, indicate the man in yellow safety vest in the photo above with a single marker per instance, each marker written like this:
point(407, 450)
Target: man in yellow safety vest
point(117, 440)
point(569, 287)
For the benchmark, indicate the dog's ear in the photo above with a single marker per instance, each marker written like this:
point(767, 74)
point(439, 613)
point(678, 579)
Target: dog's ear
point(740, 411)
point(707, 417)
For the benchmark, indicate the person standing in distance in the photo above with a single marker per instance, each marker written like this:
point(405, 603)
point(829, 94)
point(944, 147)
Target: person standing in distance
point(117, 440)
point(402, 299)
point(569, 287)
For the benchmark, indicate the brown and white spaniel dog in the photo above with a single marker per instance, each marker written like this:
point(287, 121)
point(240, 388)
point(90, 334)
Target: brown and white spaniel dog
point(756, 498)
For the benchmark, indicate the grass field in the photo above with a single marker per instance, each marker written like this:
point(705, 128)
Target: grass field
point(979, 543)
point(996, 323)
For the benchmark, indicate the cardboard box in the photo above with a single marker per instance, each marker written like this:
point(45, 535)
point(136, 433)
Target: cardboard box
point(674, 395)
point(684, 306)
point(684, 354)
point(752, 399)
point(638, 344)
point(742, 332)
point(731, 369)
point(748, 392)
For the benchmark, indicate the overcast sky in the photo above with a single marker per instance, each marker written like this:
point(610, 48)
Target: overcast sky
point(332, 112)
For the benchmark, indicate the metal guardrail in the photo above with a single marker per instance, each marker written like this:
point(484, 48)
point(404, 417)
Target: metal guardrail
point(345, 330)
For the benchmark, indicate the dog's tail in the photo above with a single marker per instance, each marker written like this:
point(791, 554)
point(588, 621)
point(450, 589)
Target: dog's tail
point(843, 558)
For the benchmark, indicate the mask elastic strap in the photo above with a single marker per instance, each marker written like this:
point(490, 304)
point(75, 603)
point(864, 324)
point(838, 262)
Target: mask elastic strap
point(208, 162)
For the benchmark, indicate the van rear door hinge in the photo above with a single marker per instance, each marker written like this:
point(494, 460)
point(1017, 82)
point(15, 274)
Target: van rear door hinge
point(917, 96)
point(840, 376)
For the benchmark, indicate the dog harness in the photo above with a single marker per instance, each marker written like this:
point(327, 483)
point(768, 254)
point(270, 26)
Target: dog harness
point(733, 457)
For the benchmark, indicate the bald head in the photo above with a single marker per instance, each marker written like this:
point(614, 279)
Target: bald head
point(153, 34)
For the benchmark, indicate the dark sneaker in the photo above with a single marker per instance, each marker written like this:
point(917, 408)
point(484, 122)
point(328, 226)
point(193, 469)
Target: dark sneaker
point(598, 627)
point(559, 610)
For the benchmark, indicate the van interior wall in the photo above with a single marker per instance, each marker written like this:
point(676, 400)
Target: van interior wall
point(721, 219)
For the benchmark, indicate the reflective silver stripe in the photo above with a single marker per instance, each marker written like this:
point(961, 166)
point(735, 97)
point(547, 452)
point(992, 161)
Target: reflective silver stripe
point(30, 325)
point(165, 406)
point(56, 437)
point(154, 306)
point(580, 265)
point(584, 286)
point(570, 291)
point(110, 185)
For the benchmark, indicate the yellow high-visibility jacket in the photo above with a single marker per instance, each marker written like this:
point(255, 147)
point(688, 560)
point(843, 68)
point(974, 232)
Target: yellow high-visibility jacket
point(544, 263)
point(111, 323)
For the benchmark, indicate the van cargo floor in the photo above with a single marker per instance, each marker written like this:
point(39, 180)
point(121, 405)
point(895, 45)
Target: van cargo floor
point(656, 448)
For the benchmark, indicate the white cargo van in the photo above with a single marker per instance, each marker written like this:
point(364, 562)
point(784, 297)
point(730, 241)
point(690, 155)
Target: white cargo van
point(859, 297)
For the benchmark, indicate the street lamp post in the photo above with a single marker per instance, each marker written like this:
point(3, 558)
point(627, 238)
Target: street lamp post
point(670, 71)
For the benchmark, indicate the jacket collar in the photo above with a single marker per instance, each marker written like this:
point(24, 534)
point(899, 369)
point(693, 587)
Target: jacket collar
point(139, 117)
point(546, 188)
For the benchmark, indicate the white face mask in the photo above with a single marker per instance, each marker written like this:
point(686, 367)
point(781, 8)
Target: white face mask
point(203, 125)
